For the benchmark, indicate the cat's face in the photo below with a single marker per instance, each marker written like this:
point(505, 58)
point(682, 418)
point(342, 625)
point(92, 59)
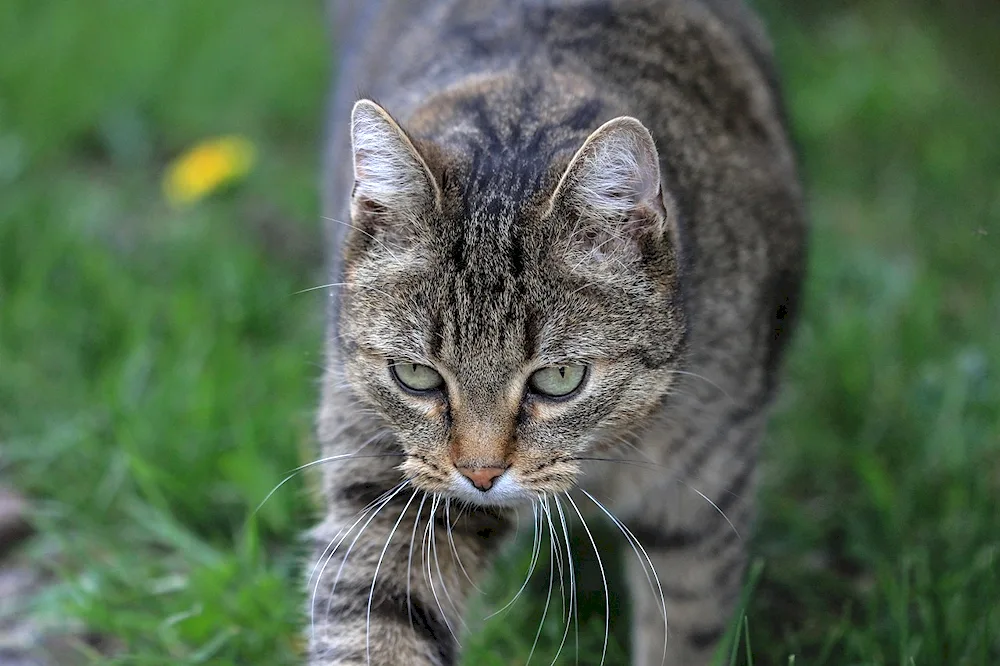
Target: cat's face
point(504, 342)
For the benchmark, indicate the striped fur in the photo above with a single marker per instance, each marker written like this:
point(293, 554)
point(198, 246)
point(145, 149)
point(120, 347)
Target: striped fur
point(546, 182)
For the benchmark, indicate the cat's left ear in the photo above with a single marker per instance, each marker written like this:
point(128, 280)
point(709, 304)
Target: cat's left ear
point(612, 184)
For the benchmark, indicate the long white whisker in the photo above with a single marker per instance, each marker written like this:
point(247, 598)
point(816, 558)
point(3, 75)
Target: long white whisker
point(321, 461)
point(454, 548)
point(552, 535)
point(444, 585)
point(604, 579)
point(548, 596)
point(375, 506)
point(338, 284)
point(704, 379)
point(409, 558)
point(378, 565)
point(334, 543)
point(557, 551)
point(716, 507)
point(674, 475)
point(636, 548)
point(345, 530)
point(343, 562)
point(572, 613)
point(627, 442)
point(536, 547)
point(429, 537)
point(360, 230)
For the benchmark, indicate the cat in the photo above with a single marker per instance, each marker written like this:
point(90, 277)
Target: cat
point(567, 246)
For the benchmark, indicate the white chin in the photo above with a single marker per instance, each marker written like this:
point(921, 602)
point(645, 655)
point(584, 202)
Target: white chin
point(506, 491)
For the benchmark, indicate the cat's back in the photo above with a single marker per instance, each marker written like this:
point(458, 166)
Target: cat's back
point(386, 44)
point(700, 67)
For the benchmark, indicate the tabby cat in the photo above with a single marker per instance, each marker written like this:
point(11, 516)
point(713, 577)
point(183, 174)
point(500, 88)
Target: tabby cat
point(567, 242)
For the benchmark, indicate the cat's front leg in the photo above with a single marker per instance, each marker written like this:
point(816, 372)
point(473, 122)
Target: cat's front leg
point(699, 556)
point(701, 585)
point(391, 573)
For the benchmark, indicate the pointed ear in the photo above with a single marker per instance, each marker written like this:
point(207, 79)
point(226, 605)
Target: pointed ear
point(612, 186)
point(390, 175)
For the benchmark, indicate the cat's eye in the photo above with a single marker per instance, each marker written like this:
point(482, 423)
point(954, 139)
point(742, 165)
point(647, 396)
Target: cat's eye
point(557, 381)
point(415, 377)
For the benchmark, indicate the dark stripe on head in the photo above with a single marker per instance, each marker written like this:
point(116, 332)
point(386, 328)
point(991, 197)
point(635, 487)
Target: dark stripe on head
point(584, 117)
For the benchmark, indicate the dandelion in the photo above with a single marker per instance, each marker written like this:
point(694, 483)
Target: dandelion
point(207, 167)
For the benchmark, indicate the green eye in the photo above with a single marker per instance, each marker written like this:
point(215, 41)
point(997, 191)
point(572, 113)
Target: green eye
point(416, 377)
point(557, 381)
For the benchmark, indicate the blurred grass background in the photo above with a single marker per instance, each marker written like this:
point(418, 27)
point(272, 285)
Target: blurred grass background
point(158, 371)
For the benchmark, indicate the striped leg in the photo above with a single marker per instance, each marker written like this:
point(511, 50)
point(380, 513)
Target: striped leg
point(391, 579)
point(701, 581)
point(698, 547)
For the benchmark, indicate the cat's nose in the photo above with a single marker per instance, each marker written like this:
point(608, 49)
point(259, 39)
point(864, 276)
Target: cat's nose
point(482, 477)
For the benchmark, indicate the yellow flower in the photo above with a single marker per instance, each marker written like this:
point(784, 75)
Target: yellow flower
point(206, 167)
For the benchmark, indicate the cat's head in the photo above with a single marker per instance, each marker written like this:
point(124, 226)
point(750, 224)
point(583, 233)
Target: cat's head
point(503, 337)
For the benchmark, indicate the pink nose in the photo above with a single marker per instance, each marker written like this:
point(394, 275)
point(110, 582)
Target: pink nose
point(482, 477)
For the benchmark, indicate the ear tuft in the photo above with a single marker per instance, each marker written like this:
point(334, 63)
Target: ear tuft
point(389, 172)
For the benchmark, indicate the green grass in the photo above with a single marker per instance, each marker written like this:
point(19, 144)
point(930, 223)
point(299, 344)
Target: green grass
point(158, 372)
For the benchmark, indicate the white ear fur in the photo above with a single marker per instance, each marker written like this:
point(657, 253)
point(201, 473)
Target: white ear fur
point(615, 176)
point(388, 169)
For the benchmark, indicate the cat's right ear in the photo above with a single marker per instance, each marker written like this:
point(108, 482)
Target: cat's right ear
point(390, 175)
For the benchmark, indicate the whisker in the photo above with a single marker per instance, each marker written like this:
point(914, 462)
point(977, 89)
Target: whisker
point(360, 230)
point(604, 579)
point(675, 478)
point(378, 565)
point(536, 548)
point(625, 441)
point(557, 551)
point(573, 610)
point(648, 465)
point(444, 585)
point(339, 284)
point(343, 562)
point(716, 507)
point(678, 480)
point(636, 548)
point(552, 535)
point(428, 536)
point(548, 596)
point(461, 512)
point(346, 530)
point(703, 378)
point(322, 461)
point(409, 559)
point(454, 548)
point(325, 559)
